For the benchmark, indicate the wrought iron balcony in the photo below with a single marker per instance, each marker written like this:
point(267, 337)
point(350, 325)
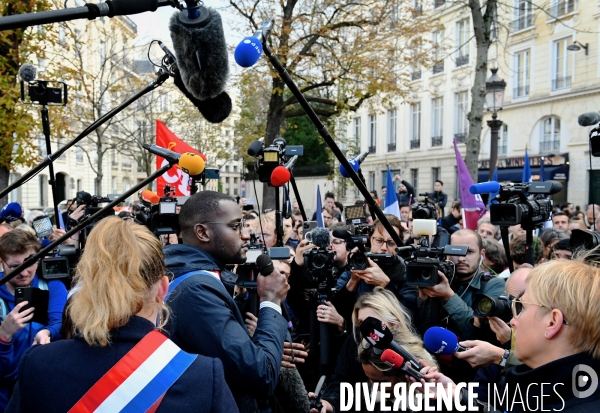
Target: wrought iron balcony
point(522, 22)
point(415, 143)
point(462, 60)
point(372, 149)
point(561, 8)
point(549, 146)
point(438, 67)
point(520, 92)
point(561, 83)
point(437, 140)
point(391, 147)
point(438, 3)
point(460, 137)
point(416, 75)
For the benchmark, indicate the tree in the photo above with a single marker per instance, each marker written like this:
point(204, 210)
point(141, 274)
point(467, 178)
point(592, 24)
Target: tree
point(341, 54)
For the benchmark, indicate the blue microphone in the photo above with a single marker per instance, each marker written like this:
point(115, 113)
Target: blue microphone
point(438, 340)
point(355, 163)
point(485, 188)
point(249, 50)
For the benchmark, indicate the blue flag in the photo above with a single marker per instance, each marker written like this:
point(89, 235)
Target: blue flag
point(391, 200)
point(319, 212)
point(526, 169)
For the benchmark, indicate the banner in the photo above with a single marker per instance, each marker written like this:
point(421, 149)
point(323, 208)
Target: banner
point(174, 176)
point(473, 207)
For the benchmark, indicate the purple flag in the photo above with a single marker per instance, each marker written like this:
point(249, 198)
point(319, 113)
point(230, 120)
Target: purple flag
point(469, 201)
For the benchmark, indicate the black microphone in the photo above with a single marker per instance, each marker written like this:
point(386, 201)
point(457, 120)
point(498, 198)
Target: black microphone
point(378, 335)
point(320, 237)
point(28, 72)
point(589, 119)
point(264, 264)
point(255, 147)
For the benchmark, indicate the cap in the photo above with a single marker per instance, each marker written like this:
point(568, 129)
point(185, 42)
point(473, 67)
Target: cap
point(11, 212)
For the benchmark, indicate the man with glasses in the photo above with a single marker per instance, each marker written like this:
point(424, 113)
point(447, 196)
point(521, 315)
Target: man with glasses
point(205, 319)
point(17, 332)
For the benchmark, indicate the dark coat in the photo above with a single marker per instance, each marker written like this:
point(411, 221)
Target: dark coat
point(53, 377)
point(404, 198)
point(440, 198)
point(206, 320)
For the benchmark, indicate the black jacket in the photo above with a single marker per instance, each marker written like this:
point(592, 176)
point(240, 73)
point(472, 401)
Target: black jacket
point(440, 198)
point(404, 197)
point(206, 320)
point(53, 377)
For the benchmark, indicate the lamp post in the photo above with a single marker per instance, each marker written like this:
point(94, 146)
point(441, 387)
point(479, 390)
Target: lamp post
point(494, 97)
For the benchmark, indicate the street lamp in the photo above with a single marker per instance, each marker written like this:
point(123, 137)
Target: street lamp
point(494, 97)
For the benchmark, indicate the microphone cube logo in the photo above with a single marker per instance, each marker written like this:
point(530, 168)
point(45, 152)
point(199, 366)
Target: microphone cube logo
point(584, 377)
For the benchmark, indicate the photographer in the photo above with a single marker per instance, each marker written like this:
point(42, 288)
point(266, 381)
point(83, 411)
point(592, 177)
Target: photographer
point(205, 318)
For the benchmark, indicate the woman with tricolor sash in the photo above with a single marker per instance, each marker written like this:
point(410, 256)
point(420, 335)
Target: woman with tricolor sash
point(119, 360)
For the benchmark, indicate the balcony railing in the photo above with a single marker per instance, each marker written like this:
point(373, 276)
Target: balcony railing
point(438, 3)
point(391, 147)
point(561, 83)
point(520, 92)
point(437, 140)
point(549, 146)
point(372, 149)
point(415, 143)
point(416, 75)
point(561, 8)
point(438, 67)
point(522, 22)
point(462, 60)
point(460, 137)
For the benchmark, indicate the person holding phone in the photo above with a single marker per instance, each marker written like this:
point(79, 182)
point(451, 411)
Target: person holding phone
point(17, 331)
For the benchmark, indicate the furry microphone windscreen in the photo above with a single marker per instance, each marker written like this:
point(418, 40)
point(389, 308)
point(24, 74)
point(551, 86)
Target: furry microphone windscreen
point(214, 110)
point(202, 55)
point(27, 72)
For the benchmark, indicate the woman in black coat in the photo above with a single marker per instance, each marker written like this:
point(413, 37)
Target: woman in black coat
point(121, 285)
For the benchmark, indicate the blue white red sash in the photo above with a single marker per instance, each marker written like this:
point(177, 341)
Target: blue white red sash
point(139, 380)
point(173, 284)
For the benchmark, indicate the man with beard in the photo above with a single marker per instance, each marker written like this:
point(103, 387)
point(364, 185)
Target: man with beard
point(205, 319)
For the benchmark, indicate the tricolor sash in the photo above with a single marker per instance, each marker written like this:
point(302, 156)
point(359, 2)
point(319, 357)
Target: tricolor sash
point(173, 284)
point(138, 382)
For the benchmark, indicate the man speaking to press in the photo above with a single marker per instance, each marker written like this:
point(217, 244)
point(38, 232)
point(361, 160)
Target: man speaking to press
point(205, 319)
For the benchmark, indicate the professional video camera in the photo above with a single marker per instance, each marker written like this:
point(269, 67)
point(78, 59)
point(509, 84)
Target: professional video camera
point(424, 210)
point(424, 262)
point(485, 306)
point(319, 262)
point(59, 262)
point(270, 157)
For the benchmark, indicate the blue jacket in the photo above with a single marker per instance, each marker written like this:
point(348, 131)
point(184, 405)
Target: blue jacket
point(206, 320)
point(52, 378)
point(11, 353)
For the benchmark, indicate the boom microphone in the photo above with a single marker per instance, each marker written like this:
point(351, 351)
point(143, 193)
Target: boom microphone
point(264, 264)
point(150, 197)
point(438, 340)
point(320, 238)
point(589, 119)
point(281, 175)
point(28, 72)
point(249, 50)
point(189, 162)
point(255, 147)
point(378, 335)
point(355, 163)
point(396, 361)
point(485, 188)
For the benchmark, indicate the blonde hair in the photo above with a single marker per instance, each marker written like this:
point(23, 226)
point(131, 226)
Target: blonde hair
point(573, 287)
point(397, 319)
point(269, 218)
point(115, 275)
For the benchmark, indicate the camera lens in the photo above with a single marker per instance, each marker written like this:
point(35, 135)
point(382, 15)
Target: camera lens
point(485, 306)
point(319, 261)
point(359, 261)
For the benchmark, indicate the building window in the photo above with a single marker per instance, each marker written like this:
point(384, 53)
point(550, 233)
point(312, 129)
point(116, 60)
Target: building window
point(114, 185)
point(372, 133)
point(126, 185)
point(503, 140)
point(415, 125)
point(435, 175)
point(550, 139)
point(462, 42)
point(357, 129)
point(392, 129)
point(227, 180)
point(414, 177)
point(561, 67)
point(15, 195)
point(522, 68)
point(461, 124)
point(43, 190)
point(438, 3)
point(438, 56)
point(523, 15)
point(79, 185)
point(78, 154)
point(372, 186)
point(561, 7)
point(437, 127)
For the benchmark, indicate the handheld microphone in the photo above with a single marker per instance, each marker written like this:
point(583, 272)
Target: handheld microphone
point(28, 72)
point(281, 175)
point(588, 119)
point(378, 335)
point(396, 361)
point(438, 340)
point(320, 238)
point(255, 147)
point(355, 163)
point(249, 50)
point(264, 264)
point(149, 197)
point(189, 162)
point(485, 188)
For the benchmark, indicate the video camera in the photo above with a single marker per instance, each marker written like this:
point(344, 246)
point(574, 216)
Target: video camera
point(56, 264)
point(270, 157)
point(424, 262)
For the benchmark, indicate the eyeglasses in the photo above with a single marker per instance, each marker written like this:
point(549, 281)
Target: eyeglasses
point(338, 241)
point(379, 242)
point(483, 231)
point(12, 267)
point(517, 308)
point(236, 226)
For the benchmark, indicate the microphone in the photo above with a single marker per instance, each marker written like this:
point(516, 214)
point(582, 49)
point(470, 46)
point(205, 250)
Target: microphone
point(264, 264)
point(149, 197)
point(281, 175)
point(378, 335)
point(201, 51)
point(189, 162)
point(485, 188)
point(341, 233)
point(438, 340)
point(255, 147)
point(249, 50)
point(396, 361)
point(588, 119)
point(355, 163)
point(28, 72)
point(320, 238)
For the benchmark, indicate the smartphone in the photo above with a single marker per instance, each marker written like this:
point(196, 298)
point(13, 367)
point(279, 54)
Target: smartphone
point(36, 298)
point(42, 226)
point(308, 226)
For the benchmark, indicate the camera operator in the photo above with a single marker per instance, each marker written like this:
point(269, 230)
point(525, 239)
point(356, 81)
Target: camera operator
point(455, 297)
point(206, 319)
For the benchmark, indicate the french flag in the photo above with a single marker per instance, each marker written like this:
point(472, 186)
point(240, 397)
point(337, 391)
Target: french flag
point(391, 200)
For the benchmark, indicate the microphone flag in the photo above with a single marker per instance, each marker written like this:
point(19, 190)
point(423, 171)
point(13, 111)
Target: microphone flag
point(174, 176)
point(319, 213)
point(473, 207)
point(391, 200)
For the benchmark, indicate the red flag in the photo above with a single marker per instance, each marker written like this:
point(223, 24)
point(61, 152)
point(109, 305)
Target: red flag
point(174, 176)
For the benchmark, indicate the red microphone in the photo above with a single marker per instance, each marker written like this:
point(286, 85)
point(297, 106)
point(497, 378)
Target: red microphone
point(281, 175)
point(396, 361)
point(149, 197)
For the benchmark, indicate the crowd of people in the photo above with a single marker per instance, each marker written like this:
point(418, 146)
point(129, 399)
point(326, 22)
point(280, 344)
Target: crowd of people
point(175, 304)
